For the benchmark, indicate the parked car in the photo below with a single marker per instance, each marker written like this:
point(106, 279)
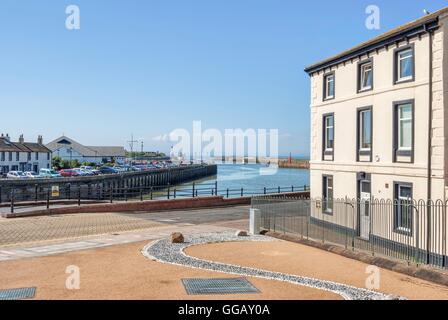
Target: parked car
point(96, 172)
point(83, 172)
point(48, 173)
point(86, 168)
point(16, 175)
point(107, 170)
point(68, 173)
point(32, 175)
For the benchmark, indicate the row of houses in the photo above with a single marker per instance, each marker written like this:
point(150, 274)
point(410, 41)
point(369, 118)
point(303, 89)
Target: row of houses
point(33, 156)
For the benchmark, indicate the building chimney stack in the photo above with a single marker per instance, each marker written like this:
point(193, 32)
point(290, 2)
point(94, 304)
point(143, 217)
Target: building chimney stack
point(7, 137)
point(21, 139)
point(40, 140)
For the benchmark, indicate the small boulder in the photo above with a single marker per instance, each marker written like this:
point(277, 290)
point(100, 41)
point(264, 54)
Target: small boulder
point(177, 237)
point(241, 233)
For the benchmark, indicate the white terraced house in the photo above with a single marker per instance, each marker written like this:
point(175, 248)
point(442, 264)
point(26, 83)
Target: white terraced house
point(23, 156)
point(379, 120)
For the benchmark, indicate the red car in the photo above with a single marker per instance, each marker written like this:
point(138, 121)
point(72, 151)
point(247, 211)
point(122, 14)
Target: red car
point(68, 173)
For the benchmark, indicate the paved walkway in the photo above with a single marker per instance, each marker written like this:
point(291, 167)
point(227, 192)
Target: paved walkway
point(37, 236)
point(104, 241)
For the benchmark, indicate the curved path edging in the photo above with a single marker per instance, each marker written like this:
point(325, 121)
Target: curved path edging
point(166, 252)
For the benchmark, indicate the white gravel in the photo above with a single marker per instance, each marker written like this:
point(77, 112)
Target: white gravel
point(166, 252)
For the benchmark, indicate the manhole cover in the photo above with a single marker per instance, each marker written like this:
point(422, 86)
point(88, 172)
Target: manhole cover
point(218, 286)
point(17, 294)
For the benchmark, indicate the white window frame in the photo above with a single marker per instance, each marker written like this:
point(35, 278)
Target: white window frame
point(400, 120)
point(327, 86)
point(328, 208)
point(399, 59)
point(399, 213)
point(361, 130)
point(363, 76)
point(327, 127)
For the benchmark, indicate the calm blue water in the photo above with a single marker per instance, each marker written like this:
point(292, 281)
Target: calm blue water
point(248, 177)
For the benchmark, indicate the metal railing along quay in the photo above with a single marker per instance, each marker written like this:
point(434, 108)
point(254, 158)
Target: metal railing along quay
point(79, 195)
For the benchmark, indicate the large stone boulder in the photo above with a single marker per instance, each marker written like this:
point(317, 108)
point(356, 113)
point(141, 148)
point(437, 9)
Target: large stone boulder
point(177, 237)
point(241, 233)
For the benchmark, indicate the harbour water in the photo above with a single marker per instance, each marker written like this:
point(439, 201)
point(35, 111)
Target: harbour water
point(249, 177)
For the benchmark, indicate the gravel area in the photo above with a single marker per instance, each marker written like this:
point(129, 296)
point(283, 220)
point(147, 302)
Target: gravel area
point(166, 252)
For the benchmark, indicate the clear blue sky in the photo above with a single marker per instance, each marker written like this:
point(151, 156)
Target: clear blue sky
point(151, 66)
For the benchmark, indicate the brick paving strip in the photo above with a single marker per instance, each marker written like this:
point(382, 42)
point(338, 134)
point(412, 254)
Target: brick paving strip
point(7, 254)
point(172, 253)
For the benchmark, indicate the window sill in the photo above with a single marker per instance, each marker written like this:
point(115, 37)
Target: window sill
point(365, 90)
point(401, 81)
point(403, 231)
point(328, 98)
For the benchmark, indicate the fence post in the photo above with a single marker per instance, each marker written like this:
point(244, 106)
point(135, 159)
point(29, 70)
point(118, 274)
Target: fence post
point(227, 192)
point(242, 192)
point(168, 195)
point(36, 196)
point(216, 188)
point(111, 194)
point(0, 194)
point(193, 189)
point(151, 192)
point(174, 193)
point(428, 232)
point(141, 194)
point(292, 188)
point(12, 201)
point(48, 199)
point(264, 190)
point(79, 195)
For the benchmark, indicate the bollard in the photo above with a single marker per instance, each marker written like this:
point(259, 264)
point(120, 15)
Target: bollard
point(174, 193)
point(193, 188)
point(279, 190)
point(227, 192)
point(168, 195)
point(242, 192)
point(264, 190)
point(151, 193)
point(48, 199)
point(216, 188)
point(111, 194)
point(255, 221)
point(141, 194)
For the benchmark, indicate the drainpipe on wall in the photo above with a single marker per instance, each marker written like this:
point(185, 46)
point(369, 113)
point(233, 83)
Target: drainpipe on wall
point(429, 187)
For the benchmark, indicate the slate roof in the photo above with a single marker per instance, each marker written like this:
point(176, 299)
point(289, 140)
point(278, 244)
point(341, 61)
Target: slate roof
point(6, 146)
